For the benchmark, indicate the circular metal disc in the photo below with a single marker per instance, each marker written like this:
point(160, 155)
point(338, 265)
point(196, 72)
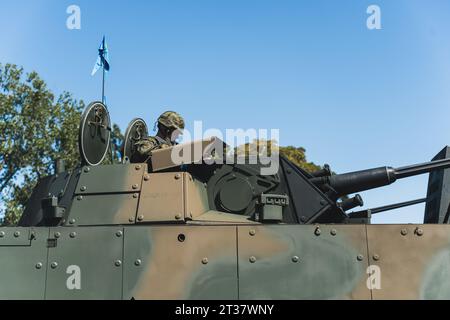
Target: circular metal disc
point(136, 130)
point(95, 133)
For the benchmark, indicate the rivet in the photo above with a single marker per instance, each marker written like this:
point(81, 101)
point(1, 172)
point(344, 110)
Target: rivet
point(146, 177)
point(333, 232)
point(72, 221)
point(117, 263)
point(86, 169)
point(80, 198)
point(2, 234)
point(119, 234)
point(54, 265)
point(57, 234)
point(73, 234)
point(177, 176)
point(322, 202)
point(178, 216)
point(295, 259)
point(303, 219)
point(404, 232)
point(376, 257)
point(134, 186)
point(17, 234)
point(252, 232)
point(317, 232)
point(205, 260)
point(83, 188)
point(138, 167)
point(38, 265)
point(419, 232)
point(137, 262)
point(140, 218)
point(131, 219)
point(359, 257)
point(289, 171)
point(252, 259)
point(135, 195)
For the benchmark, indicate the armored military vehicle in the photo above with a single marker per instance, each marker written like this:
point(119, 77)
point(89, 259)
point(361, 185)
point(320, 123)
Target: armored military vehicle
point(208, 230)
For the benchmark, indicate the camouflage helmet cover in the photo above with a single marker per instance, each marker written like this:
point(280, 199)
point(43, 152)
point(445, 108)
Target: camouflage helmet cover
point(171, 119)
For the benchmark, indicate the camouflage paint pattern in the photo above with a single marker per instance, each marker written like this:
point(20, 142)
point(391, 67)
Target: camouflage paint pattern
point(205, 254)
point(226, 261)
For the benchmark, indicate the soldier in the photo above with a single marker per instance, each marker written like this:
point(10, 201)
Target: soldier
point(170, 126)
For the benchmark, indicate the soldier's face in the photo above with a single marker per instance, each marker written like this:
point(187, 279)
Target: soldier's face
point(176, 134)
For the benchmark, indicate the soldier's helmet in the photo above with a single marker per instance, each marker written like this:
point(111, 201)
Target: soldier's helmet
point(171, 120)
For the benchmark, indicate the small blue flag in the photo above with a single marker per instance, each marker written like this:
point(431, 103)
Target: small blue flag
point(102, 60)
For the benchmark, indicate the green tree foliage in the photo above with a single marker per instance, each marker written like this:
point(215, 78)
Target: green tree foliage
point(36, 129)
point(265, 147)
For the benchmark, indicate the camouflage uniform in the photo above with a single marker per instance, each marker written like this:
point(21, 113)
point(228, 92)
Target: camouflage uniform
point(170, 120)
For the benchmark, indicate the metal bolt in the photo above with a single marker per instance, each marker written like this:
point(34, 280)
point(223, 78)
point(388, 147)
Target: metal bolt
point(146, 177)
point(376, 257)
point(252, 232)
point(295, 259)
point(138, 167)
point(333, 232)
point(317, 232)
point(134, 186)
point(131, 219)
point(289, 171)
point(17, 234)
point(57, 234)
point(137, 262)
point(119, 234)
point(404, 232)
point(140, 218)
point(72, 221)
point(177, 176)
point(322, 202)
point(83, 188)
point(2, 234)
point(87, 169)
point(135, 195)
point(178, 216)
point(38, 265)
point(117, 263)
point(252, 259)
point(205, 260)
point(359, 257)
point(54, 265)
point(303, 219)
point(73, 234)
point(419, 232)
point(80, 198)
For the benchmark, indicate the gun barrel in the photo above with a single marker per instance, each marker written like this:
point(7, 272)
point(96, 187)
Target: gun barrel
point(358, 181)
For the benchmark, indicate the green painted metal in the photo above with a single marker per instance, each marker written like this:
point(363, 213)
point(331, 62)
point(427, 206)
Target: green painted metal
point(97, 252)
point(23, 262)
point(302, 262)
point(111, 179)
point(104, 209)
point(180, 262)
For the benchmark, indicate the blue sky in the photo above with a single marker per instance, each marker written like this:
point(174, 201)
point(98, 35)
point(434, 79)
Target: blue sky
point(354, 98)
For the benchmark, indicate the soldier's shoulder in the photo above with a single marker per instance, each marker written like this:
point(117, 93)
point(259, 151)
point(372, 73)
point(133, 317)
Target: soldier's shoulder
point(148, 140)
